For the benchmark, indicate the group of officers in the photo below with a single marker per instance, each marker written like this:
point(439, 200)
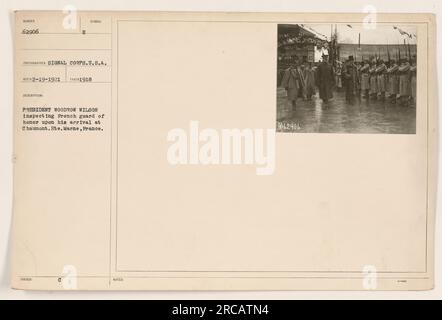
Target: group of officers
point(390, 81)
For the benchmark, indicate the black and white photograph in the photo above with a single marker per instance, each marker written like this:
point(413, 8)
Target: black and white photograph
point(346, 78)
point(220, 156)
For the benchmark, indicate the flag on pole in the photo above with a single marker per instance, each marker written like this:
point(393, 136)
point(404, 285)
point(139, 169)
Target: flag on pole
point(402, 32)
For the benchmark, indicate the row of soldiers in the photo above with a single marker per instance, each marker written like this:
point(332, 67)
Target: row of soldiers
point(376, 79)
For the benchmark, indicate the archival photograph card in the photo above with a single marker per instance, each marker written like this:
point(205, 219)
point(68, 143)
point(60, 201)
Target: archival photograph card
point(224, 151)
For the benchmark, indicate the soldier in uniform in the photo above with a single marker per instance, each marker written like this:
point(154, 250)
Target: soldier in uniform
point(373, 80)
point(404, 82)
point(381, 70)
point(338, 75)
point(351, 79)
point(413, 70)
point(291, 81)
point(308, 80)
point(393, 81)
point(365, 79)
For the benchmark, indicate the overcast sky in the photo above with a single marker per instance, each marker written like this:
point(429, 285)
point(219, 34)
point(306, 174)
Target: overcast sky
point(383, 34)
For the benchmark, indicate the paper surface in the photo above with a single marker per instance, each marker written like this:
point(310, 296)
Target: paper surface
point(150, 154)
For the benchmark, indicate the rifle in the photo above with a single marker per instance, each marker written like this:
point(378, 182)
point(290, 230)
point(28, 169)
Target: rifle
point(388, 55)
